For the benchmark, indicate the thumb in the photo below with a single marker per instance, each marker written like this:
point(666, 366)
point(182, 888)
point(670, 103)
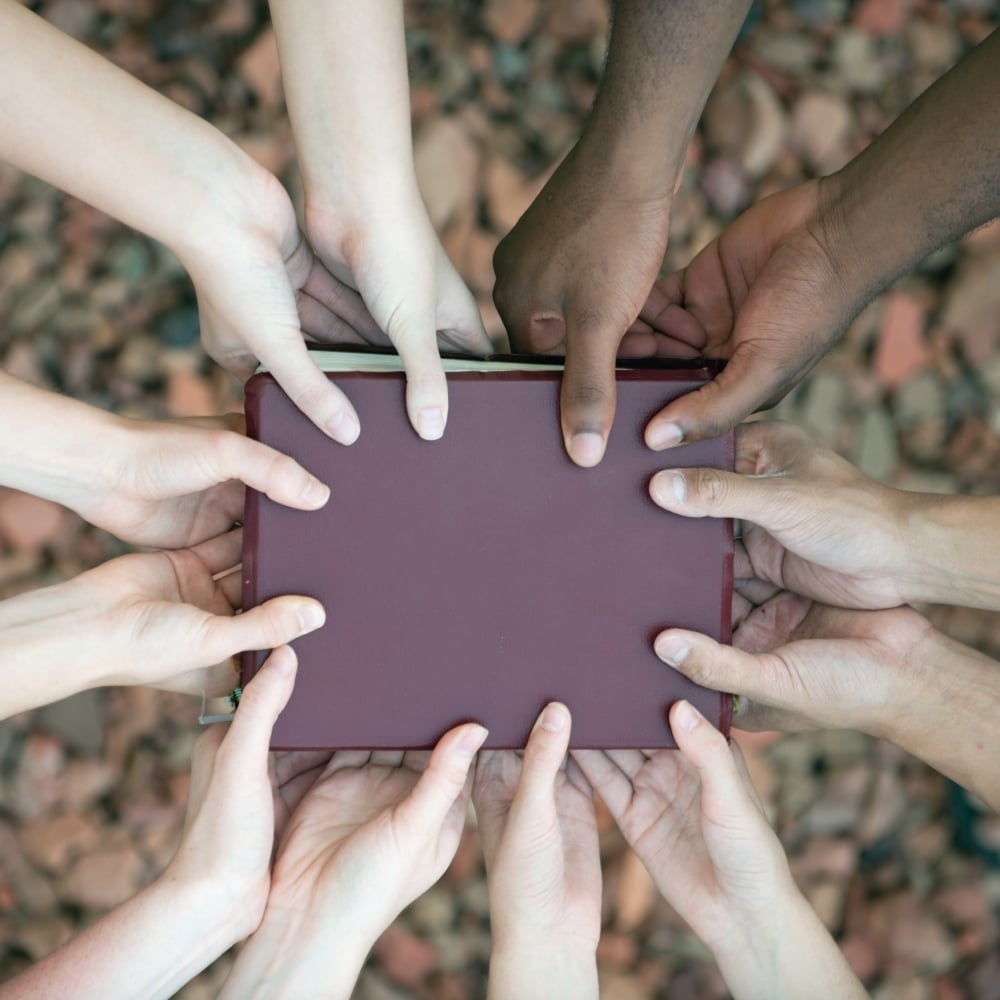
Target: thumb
point(426, 387)
point(446, 778)
point(267, 626)
point(261, 702)
point(717, 493)
point(763, 677)
point(724, 793)
point(587, 398)
point(543, 757)
point(751, 377)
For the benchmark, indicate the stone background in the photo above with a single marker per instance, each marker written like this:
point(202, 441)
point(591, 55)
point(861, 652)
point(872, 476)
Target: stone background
point(900, 864)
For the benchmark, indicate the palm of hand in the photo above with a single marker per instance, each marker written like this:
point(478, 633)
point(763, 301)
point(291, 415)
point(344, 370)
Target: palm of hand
point(544, 866)
point(843, 664)
point(349, 845)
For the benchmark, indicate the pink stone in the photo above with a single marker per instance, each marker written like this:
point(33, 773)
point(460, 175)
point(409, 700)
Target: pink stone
point(902, 351)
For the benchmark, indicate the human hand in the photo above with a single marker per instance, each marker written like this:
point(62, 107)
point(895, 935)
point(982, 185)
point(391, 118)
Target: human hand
point(389, 253)
point(373, 832)
point(539, 835)
point(812, 522)
point(572, 276)
point(174, 484)
point(166, 619)
point(765, 296)
point(691, 817)
point(261, 288)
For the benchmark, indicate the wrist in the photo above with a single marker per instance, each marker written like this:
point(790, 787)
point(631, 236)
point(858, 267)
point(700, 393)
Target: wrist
point(293, 954)
point(541, 968)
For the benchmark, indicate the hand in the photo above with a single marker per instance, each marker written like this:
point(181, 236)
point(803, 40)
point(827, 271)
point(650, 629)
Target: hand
point(260, 288)
point(817, 525)
point(166, 619)
point(765, 296)
point(230, 826)
point(572, 277)
point(393, 258)
point(797, 665)
point(176, 484)
point(692, 819)
point(373, 832)
point(539, 834)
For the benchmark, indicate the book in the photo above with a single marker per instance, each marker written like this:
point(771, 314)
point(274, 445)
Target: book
point(478, 577)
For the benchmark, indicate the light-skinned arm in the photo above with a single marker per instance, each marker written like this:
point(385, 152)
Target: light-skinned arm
point(345, 75)
point(575, 271)
point(162, 484)
point(212, 893)
point(776, 289)
point(163, 619)
point(77, 121)
point(692, 819)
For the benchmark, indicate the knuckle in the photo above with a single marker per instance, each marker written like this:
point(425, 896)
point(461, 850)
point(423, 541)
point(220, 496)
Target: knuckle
point(710, 486)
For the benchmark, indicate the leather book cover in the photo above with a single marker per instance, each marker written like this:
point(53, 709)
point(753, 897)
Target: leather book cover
point(482, 575)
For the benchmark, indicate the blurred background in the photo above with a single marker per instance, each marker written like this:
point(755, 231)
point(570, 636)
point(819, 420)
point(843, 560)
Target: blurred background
point(900, 864)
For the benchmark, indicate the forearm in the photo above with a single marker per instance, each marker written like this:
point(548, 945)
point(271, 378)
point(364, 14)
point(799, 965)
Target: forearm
point(536, 971)
point(148, 947)
point(928, 179)
point(663, 59)
point(945, 713)
point(345, 76)
point(78, 122)
point(955, 555)
point(785, 952)
point(46, 443)
point(286, 957)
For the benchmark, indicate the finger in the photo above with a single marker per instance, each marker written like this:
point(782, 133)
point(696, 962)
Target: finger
point(387, 758)
point(322, 326)
point(231, 586)
point(346, 759)
point(706, 748)
point(267, 626)
point(266, 470)
point(445, 780)
point(221, 553)
point(543, 756)
point(749, 379)
point(607, 779)
point(426, 387)
point(343, 303)
point(311, 391)
point(760, 676)
point(261, 702)
point(774, 503)
point(202, 766)
point(587, 396)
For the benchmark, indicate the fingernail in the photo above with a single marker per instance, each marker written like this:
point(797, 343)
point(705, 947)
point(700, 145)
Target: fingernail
point(311, 616)
point(282, 660)
point(672, 649)
point(686, 716)
point(473, 739)
point(316, 493)
point(669, 487)
point(586, 449)
point(553, 718)
point(344, 427)
point(430, 423)
point(663, 436)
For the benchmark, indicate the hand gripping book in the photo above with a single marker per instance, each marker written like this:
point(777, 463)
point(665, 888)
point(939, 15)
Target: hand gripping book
point(478, 577)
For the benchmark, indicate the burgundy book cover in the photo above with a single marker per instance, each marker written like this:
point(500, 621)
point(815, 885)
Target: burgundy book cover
point(480, 576)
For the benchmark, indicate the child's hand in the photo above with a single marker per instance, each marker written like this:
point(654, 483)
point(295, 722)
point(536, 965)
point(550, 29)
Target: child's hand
point(373, 832)
point(163, 619)
point(691, 818)
point(539, 834)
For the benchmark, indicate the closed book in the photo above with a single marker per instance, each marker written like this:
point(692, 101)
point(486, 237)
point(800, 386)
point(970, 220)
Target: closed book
point(478, 577)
